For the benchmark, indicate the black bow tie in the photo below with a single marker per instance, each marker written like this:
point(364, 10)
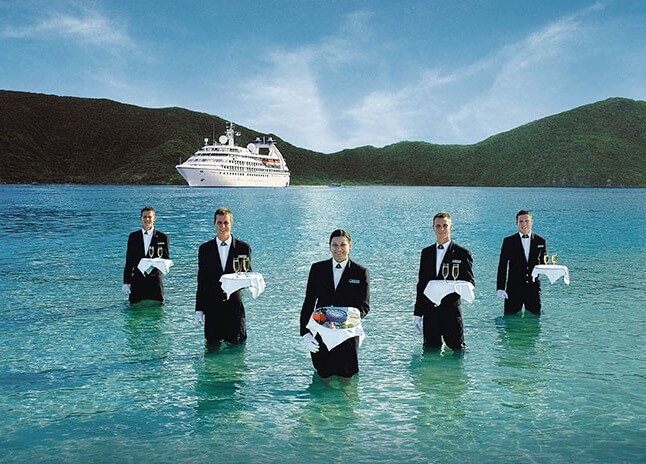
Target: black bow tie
point(145, 232)
point(223, 244)
point(338, 266)
point(525, 236)
point(440, 247)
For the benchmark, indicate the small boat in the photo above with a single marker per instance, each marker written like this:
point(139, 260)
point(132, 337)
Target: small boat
point(222, 163)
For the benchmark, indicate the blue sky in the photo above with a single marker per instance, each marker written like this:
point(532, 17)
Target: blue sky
point(328, 75)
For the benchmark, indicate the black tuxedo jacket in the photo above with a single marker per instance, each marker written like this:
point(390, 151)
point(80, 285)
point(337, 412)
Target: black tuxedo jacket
point(514, 271)
point(353, 289)
point(150, 286)
point(224, 318)
point(455, 254)
point(210, 296)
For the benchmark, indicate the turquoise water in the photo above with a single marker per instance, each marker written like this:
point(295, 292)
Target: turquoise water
point(84, 377)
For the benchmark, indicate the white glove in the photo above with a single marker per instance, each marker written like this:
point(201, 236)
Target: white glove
point(310, 343)
point(199, 317)
point(418, 324)
point(502, 294)
point(125, 288)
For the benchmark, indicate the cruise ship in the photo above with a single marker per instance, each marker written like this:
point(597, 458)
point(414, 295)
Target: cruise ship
point(225, 164)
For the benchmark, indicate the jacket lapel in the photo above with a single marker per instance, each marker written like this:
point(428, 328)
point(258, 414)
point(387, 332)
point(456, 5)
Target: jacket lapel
point(153, 243)
point(449, 253)
point(343, 279)
point(533, 250)
point(232, 253)
point(142, 244)
point(228, 267)
point(434, 261)
point(216, 251)
point(330, 279)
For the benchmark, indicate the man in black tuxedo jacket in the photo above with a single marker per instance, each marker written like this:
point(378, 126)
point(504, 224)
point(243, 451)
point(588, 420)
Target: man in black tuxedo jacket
point(443, 321)
point(337, 281)
point(518, 256)
point(223, 319)
point(147, 242)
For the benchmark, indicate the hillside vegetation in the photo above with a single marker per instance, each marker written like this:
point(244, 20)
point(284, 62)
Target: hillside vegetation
point(51, 139)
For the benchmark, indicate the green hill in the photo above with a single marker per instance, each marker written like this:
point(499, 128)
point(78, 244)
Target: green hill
point(50, 139)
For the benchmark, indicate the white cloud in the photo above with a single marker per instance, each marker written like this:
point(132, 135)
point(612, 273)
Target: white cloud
point(525, 78)
point(285, 99)
point(88, 27)
point(382, 118)
point(521, 82)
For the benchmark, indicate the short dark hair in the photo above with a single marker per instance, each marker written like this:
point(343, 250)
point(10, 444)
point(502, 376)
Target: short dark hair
point(147, 208)
point(222, 212)
point(442, 214)
point(522, 212)
point(340, 233)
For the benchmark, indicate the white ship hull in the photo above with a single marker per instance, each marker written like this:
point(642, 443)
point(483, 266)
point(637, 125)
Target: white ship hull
point(225, 164)
point(197, 177)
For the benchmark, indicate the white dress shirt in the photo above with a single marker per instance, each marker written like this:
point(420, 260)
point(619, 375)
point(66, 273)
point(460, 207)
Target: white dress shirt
point(338, 271)
point(439, 256)
point(148, 237)
point(526, 242)
point(223, 251)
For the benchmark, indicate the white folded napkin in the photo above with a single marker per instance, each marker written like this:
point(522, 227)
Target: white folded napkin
point(254, 281)
point(146, 265)
point(437, 289)
point(553, 272)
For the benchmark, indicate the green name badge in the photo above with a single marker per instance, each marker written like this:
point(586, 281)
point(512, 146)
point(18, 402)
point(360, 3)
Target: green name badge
point(354, 281)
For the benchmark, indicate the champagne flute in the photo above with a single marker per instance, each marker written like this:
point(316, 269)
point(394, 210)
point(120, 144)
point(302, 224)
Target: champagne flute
point(241, 260)
point(245, 264)
point(236, 265)
point(546, 258)
point(151, 251)
point(554, 258)
point(160, 252)
point(455, 271)
point(445, 270)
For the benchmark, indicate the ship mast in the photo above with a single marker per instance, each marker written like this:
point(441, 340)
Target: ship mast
point(231, 133)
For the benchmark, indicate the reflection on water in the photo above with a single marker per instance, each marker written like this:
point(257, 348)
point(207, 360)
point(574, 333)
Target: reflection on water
point(517, 337)
point(524, 368)
point(441, 381)
point(219, 383)
point(147, 339)
point(441, 386)
point(327, 419)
